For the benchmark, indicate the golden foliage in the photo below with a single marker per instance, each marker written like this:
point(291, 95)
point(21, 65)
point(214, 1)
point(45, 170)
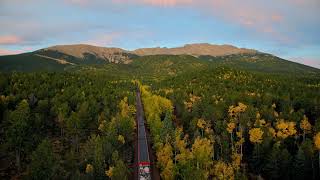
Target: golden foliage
point(121, 139)
point(285, 128)
point(272, 132)
point(230, 127)
point(260, 123)
point(184, 153)
point(201, 123)
point(109, 172)
point(258, 116)
point(240, 137)
point(192, 100)
point(256, 135)
point(236, 161)
point(236, 110)
point(202, 151)
point(168, 171)
point(102, 125)
point(223, 171)
point(305, 125)
point(124, 107)
point(132, 109)
point(164, 155)
point(89, 168)
point(239, 134)
point(316, 140)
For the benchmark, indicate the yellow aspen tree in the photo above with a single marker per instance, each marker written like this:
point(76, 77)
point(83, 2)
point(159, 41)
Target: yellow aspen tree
point(222, 171)
point(256, 135)
point(236, 161)
point(124, 108)
point(121, 139)
point(89, 169)
point(240, 142)
point(234, 113)
point(230, 127)
point(285, 128)
point(202, 151)
point(201, 123)
point(182, 153)
point(109, 172)
point(305, 126)
point(164, 157)
point(272, 132)
point(316, 140)
point(258, 116)
point(168, 171)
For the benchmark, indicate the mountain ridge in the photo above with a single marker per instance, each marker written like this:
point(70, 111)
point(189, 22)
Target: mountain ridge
point(68, 57)
point(118, 55)
point(196, 49)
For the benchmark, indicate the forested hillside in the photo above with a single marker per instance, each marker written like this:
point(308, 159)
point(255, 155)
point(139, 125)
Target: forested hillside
point(229, 117)
point(232, 124)
point(65, 126)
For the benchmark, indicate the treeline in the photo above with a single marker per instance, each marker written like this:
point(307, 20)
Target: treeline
point(229, 124)
point(66, 126)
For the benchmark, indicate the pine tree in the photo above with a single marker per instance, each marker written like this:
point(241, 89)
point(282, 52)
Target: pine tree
point(18, 130)
point(299, 164)
point(272, 166)
point(285, 164)
point(43, 163)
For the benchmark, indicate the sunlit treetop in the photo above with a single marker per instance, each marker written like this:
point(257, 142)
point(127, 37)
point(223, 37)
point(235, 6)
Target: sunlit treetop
point(316, 140)
point(89, 168)
point(109, 171)
point(285, 128)
point(256, 135)
point(201, 123)
point(222, 171)
point(230, 127)
point(305, 125)
point(235, 110)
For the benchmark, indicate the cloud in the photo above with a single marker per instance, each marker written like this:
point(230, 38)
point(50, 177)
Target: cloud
point(159, 3)
point(314, 62)
point(166, 3)
point(103, 39)
point(9, 52)
point(78, 2)
point(9, 40)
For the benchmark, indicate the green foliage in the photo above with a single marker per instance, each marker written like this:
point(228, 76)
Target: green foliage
point(87, 112)
point(43, 162)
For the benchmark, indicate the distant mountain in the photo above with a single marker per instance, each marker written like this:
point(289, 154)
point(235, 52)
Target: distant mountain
point(88, 52)
point(195, 50)
point(155, 61)
point(117, 55)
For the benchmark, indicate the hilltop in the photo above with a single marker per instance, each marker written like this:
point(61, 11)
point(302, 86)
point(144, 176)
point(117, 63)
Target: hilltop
point(155, 61)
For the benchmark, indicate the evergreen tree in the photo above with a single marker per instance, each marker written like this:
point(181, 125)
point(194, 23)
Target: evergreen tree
point(272, 166)
point(18, 131)
point(299, 165)
point(43, 162)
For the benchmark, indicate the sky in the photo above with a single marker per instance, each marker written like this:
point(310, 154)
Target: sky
point(289, 29)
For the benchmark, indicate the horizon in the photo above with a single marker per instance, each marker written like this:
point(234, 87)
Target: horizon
point(288, 30)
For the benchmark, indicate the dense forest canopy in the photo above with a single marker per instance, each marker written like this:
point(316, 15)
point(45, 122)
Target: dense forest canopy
point(230, 117)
